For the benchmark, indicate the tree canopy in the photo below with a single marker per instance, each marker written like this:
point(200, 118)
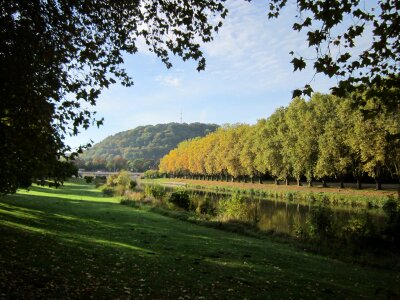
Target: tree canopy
point(326, 137)
point(334, 30)
point(57, 56)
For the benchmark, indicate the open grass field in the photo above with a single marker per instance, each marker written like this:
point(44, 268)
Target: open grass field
point(72, 242)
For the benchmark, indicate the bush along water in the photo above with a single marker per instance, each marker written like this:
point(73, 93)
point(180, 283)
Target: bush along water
point(155, 191)
point(357, 236)
point(180, 198)
point(118, 184)
point(238, 208)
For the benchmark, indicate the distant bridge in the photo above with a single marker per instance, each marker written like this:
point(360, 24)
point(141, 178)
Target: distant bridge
point(133, 175)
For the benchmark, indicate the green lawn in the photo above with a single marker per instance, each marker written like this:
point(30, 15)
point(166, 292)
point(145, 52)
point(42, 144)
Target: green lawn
point(74, 243)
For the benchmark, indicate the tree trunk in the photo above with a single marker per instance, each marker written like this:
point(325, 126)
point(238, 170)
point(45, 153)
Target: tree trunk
point(252, 179)
point(359, 184)
point(324, 183)
point(341, 184)
point(286, 181)
point(310, 183)
point(298, 182)
point(378, 184)
point(259, 180)
point(276, 181)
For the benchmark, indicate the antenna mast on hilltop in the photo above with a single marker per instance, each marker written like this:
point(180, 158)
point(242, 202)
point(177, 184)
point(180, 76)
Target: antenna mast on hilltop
point(181, 116)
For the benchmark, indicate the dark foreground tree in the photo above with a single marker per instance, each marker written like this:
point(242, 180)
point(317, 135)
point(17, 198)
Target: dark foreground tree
point(56, 57)
point(335, 29)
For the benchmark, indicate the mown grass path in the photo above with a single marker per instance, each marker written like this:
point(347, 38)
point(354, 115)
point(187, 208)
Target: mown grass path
point(74, 243)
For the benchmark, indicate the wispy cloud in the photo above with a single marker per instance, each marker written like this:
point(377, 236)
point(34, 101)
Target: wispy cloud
point(253, 52)
point(169, 80)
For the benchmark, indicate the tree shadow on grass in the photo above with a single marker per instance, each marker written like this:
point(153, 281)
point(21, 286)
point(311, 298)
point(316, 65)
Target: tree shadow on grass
point(122, 244)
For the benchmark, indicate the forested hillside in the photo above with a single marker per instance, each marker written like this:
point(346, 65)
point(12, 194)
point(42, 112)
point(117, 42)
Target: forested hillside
point(141, 148)
point(324, 138)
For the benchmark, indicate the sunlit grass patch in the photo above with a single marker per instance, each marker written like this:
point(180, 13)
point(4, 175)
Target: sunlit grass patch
point(70, 191)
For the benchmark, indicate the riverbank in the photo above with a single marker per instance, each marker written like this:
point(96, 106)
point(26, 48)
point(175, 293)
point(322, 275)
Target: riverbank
point(367, 197)
point(73, 242)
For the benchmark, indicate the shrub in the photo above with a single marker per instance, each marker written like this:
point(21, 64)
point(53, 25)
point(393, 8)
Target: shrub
point(100, 180)
point(120, 190)
point(132, 184)
point(180, 198)
point(120, 182)
point(88, 179)
point(123, 179)
point(151, 174)
point(157, 191)
point(319, 223)
point(134, 196)
point(107, 191)
point(235, 208)
point(290, 196)
point(360, 229)
point(112, 180)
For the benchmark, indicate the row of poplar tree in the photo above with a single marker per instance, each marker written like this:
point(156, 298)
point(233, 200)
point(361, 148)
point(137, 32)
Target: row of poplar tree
point(324, 137)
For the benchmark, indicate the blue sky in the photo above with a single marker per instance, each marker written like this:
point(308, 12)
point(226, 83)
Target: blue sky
point(248, 75)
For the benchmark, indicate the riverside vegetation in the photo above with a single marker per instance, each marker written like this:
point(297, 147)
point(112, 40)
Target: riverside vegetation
point(297, 194)
point(82, 244)
point(356, 236)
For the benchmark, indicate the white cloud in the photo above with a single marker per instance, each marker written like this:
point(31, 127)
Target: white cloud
point(169, 80)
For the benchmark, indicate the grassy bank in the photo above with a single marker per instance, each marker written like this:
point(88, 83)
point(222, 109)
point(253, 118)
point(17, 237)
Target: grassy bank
point(74, 243)
point(303, 194)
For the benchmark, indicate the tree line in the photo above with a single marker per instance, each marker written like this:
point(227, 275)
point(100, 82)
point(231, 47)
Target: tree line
point(325, 137)
point(115, 163)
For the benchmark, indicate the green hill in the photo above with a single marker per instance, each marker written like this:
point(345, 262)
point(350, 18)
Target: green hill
point(141, 148)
